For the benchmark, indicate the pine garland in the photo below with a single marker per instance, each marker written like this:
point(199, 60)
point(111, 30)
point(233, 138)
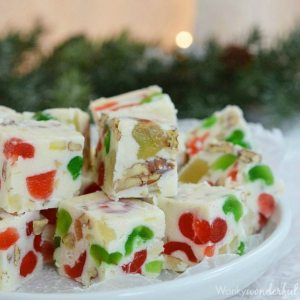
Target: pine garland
point(263, 81)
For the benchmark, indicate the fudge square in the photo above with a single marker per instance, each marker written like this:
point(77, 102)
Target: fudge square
point(40, 164)
point(23, 247)
point(202, 221)
point(225, 125)
point(136, 158)
point(225, 164)
point(98, 238)
point(148, 103)
point(75, 117)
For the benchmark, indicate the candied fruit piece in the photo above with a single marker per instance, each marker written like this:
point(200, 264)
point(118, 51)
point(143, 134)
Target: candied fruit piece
point(76, 270)
point(41, 186)
point(139, 234)
point(234, 206)
point(171, 247)
point(28, 264)
point(8, 238)
point(262, 172)
point(209, 122)
point(137, 263)
point(99, 254)
point(237, 138)
point(193, 172)
point(75, 166)
point(15, 148)
point(150, 137)
point(224, 162)
point(64, 221)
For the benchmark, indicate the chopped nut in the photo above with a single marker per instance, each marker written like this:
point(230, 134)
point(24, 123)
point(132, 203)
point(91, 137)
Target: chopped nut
point(78, 230)
point(128, 183)
point(69, 240)
point(247, 156)
point(84, 219)
point(93, 273)
point(38, 226)
point(231, 119)
point(74, 146)
point(219, 147)
point(17, 255)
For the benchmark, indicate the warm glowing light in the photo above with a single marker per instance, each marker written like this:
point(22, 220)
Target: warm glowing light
point(184, 39)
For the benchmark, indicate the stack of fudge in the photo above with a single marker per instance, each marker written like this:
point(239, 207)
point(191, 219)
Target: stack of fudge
point(41, 164)
point(130, 210)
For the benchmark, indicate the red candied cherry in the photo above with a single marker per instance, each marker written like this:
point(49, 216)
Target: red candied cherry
point(47, 251)
point(29, 228)
point(136, 265)
point(209, 251)
point(8, 238)
point(76, 271)
point(15, 148)
point(50, 215)
point(91, 188)
point(41, 186)
point(106, 105)
point(195, 145)
point(173, 246)
point(28, 264)
point(266, 204)
point(218, 230)
point(101, 171)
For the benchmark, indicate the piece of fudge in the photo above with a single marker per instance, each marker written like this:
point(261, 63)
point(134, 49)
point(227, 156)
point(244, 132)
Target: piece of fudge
point(224, 164)
point(40, 164)
point(225, 125)
point(202, 221)
point(136, 158)
point(148, 103)
point(75, 117)
point(97, 238)
point(22, 247)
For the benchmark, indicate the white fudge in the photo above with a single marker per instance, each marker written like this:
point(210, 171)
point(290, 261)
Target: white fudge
point(136, 158)
point(75, 117)
point(22, 248)
point(224, 164)
point(40, 164)
point(98, 238)
point(225, 125)
point(202, 221)
point(148, 103)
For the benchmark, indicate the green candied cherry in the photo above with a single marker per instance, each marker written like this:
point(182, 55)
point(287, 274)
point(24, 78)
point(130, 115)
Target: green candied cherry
point(150, 98)
point(138, 236)
point(150, 137)
point(100, 255)
point(209, 122)
point(234, 206)
point(262, 172)
point(224, 162)
point(64, 221)
point(237, 138)
point(107, 139)
point(42, 116)
point(154, 266)
point(74, 166)
point(241, 249)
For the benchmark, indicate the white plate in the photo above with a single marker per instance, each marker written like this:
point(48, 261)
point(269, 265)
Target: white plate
point(233, 275)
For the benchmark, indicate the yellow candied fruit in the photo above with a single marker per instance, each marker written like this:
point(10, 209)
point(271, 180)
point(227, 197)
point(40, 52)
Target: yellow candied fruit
point(106, 233)
point(194, 171)
point(15, 202)
point(58, 146)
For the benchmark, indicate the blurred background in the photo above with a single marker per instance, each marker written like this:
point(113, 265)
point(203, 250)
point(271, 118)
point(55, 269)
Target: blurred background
point(204, 53)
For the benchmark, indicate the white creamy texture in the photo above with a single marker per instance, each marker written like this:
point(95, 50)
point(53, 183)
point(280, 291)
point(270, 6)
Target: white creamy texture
point(10, 259)
point(110, 225)
point(229, 119)
point(161, 108)
point(127, 148)
point(206, 203)
point(14, 194)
